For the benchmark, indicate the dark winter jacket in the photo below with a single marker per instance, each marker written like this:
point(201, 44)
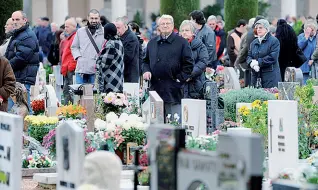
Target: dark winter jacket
point(23, 55)
point(194, 88)
point(266, 53)
point(170, 63)
point(141, 53)
point(220, 41)
point(131, 56)
point(110, 67)
point(207, 36)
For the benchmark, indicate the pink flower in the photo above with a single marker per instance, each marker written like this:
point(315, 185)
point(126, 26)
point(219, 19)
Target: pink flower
point(106, 136)
point(30, 157)
point(125, 102)
point(118, 102)
point(108, 99)
point(219, 68)
point(217, 132)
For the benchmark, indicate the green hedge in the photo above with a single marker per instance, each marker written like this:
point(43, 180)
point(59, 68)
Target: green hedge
point(179, 9)
point(235, 10)
point(6, 9)
point(245, 95)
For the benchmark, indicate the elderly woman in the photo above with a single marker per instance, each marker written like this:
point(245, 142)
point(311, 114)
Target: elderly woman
point(110, 64)
point(307, 42)
point(263, 57)
point(194, 88)
point(8, 30)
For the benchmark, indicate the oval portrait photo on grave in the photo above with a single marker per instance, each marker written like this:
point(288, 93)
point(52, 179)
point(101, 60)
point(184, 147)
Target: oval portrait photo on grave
point(197, 185)
point(185, 113)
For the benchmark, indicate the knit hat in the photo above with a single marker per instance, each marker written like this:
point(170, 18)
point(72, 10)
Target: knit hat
point(264, 23)
point(110, 30)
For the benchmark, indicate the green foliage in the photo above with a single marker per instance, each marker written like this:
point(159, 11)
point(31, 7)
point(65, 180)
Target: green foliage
point(212, 10)
point(263, 8)
point(144, 177)
point(239, 9)
point(308, 118)
point(297, 26)
point(134, 135)
point(178, 9)
point(6, 9)
point(138, 18)
point(48, 70)
point(246, 95)
point(38, 132)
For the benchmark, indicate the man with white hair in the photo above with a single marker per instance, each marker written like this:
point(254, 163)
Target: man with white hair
point(168, 65)
point(131, 50)
point(220, 36)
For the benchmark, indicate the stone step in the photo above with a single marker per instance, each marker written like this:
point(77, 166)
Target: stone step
point(51, 178)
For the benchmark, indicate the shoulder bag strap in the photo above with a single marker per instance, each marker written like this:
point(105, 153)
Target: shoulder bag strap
point(92, 40)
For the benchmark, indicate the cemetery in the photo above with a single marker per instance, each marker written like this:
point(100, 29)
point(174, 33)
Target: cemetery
point(235, 138)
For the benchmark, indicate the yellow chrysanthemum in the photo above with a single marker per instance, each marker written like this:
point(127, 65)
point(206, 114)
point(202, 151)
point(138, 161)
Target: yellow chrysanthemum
point(316, 133)
point(276, 95)
point(256, 103)
point(243, 109)
point(265, 103)
point(308, 134)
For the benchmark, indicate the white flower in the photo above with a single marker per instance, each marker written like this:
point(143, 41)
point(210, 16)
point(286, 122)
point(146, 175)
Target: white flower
point(168, 116)
point(119, 102)
point(119, 122)
point(110, 127)
point(110, 117)
point(126, 125)
point(124, 116)
point(100, 124)
point(141, 126)
point(133, 118)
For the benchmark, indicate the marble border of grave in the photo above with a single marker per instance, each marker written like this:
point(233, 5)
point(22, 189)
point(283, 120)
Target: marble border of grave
point(29, 172)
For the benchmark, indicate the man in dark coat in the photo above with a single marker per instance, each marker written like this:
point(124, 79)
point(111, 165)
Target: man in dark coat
point(23, 52)
point(44, 36)
point(131, 48)
point(168, 65)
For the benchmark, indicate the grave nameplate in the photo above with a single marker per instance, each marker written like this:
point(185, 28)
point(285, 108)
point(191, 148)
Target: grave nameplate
point(287, 90)
point(282, 136)
point(11, 127)
point(152, 109)
point(211, 97)
point(70, 155)
point(165, 142)
point(196, 168)
point(50, 101)
point(194, 117)
point(231, 80)
point(132, 90)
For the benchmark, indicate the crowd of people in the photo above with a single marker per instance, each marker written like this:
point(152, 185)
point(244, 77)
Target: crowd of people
point(174, 60)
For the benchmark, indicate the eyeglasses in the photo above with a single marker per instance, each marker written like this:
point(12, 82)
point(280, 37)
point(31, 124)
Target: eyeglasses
point(163, 24)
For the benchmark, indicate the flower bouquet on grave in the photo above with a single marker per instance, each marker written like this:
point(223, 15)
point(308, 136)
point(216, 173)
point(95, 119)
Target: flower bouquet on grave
point(175, 121)
point(133, 106)
point(255, 118)
point(144, 177)
point(71, 111)
point(227, 124)
point(114, 102)
point(39, 126)
point(35, 160)
point(204, 143)
point(38, 106)
point(217, 76)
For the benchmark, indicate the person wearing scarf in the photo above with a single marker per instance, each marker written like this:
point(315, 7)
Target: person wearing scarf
point(194, 88)
point(263, 57)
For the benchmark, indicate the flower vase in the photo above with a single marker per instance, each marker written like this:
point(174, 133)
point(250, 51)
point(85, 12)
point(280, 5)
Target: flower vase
point(120, 154)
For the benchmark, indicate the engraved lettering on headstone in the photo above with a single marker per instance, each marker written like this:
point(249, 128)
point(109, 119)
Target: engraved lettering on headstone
point(66, 163)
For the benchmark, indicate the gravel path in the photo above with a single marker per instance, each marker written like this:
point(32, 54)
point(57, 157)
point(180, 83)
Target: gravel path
point(29, 184)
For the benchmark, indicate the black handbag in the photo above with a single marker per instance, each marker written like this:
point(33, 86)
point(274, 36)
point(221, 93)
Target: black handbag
point(299, 58)
point(54, 54)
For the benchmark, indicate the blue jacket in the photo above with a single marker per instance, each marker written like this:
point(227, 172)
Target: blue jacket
point(23, 54)
point(194, 88)
point(266, 53)
point(308, 47)
point(44, 36)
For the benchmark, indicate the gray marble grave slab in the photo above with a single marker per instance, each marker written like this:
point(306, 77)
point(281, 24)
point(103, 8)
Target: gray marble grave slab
point(293, 74)
point(219, 117)
point(287, 90)
point(11, 127)
point(70, 155)
point(87, 101)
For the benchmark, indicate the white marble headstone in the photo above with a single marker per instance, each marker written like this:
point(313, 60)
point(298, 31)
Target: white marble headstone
point(152, 109)
point(239, 130)
point(51, 101)
point(58, 75)
point(11, 127)
point(231, 80)
point(194, 117)
point(70, 155)
point(282, 136)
